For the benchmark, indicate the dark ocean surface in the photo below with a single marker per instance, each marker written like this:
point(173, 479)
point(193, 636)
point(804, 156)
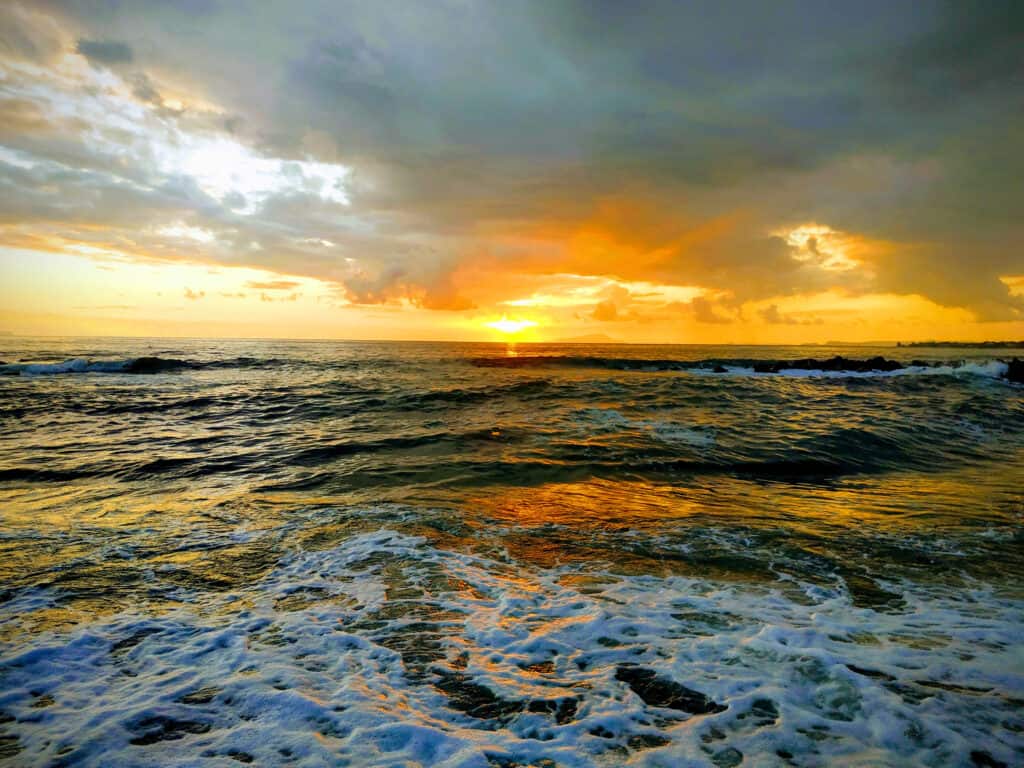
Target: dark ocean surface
point(341, 553)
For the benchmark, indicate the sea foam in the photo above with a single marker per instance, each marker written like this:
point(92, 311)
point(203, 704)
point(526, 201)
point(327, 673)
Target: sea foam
point(385, 650)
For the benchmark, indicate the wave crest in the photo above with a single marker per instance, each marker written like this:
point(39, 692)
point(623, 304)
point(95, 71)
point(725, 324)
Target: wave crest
point(147, 364)
point(838, 365)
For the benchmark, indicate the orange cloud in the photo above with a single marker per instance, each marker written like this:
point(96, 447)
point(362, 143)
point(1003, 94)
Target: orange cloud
point(272, 285)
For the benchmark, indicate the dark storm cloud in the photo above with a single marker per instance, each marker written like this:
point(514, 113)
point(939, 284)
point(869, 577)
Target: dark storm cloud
point(144, 90)
point(972, 48)
point(470, 125)
point(105, 51)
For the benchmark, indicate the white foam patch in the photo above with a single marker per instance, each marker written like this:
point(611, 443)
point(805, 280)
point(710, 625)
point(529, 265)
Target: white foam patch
point(298, 670)
point(75, 365)
point(663, 430)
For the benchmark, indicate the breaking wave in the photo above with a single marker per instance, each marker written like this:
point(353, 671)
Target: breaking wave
point(386, 650)
point(834, 366)
point(136, 365)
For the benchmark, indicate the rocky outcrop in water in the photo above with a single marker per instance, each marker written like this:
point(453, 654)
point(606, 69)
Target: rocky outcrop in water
point(1015, 371)
point(658, 691)
point(155, 365)
point(837, 363)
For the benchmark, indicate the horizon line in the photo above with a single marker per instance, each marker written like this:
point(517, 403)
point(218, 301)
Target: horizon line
point(518, 342)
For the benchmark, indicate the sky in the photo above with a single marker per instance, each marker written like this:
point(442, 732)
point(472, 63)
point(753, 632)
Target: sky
point(689, 172)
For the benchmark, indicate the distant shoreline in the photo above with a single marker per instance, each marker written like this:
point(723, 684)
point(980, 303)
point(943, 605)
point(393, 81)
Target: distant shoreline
point(964, 344)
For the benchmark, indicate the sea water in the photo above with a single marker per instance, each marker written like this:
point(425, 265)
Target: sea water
point(325, 553)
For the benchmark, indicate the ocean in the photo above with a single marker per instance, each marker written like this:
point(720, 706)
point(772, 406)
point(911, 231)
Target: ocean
point(215, 553)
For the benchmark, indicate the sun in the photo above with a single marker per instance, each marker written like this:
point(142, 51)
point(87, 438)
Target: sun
point(511, 326)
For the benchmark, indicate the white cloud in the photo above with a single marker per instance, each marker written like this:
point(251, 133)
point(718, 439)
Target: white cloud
point(185, 232)
point(148, 145)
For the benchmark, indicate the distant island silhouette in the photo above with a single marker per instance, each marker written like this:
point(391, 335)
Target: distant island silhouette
point(964, 344)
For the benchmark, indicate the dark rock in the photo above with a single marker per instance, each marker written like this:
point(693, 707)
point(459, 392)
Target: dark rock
point(837, 363)
point(9, 746)
point(880, 364)
point(763, 712)
point(719, 369)
point(712, 734)
point(912, 694)
point(729, 757)
point(647, 741)
point(154, 365)
point(983, 759)
point(132, 640)
point(953, 687)
point(869, 672)
point(1015, 371)
point(660, 691)
point(475, 700)
point(159, 728)
point(503, 761)
point(564, 709)
point(200, 696)
point(866, 593)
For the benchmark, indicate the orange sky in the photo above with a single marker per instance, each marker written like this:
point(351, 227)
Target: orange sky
point(60, 294)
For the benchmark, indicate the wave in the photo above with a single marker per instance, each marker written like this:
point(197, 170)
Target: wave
point(135, 365)
point(39, 474)
point(463, 396)
point(1012, 370)
point(392, 648)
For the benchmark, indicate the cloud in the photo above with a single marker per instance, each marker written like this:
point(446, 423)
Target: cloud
point(445, 157)
point(704, 311)
point(773, 316)
point(606, 311)
point(194, 295)
point(106, 52)
point(28, 34)
point(267, 298)
point(272, 285)
point(143, 89)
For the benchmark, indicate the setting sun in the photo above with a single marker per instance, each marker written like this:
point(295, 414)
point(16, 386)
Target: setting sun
point(511, 326)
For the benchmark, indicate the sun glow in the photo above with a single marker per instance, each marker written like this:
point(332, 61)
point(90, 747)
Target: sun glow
point(505, 325)
point(821, 245)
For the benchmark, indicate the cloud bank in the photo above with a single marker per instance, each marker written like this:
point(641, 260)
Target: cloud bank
point(454, 156)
